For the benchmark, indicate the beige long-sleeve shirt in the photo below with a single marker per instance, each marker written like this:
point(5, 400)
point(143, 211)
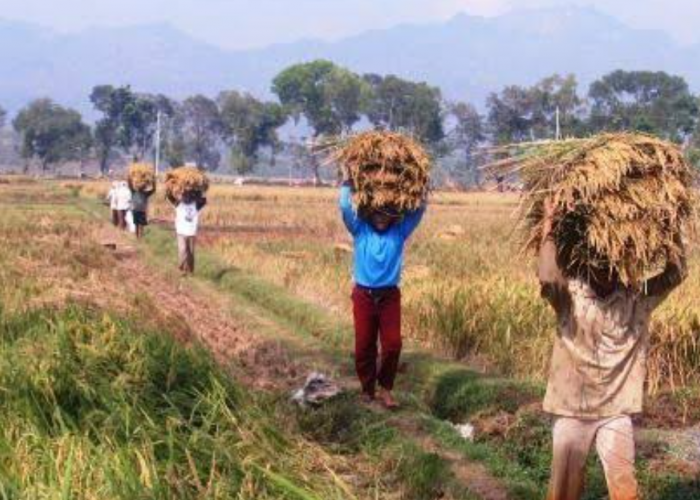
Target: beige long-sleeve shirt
point(598, 365)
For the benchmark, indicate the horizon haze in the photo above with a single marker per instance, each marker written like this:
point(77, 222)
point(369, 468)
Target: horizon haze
point(241, 24)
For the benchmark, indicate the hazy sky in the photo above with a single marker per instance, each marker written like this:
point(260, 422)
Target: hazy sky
point(246, 23)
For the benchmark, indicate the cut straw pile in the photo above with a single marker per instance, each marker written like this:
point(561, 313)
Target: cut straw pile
point(623, 201)
point(387, 170)
point(142, 177)
point(185, 180)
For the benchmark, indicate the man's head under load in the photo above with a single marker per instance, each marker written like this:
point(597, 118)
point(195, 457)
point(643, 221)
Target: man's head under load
point(596, 272)
point(382, 219)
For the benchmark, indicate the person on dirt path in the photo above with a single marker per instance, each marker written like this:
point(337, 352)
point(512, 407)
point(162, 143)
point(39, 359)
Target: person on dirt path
point(123, 204)
point(139, 209)
point(379, 240)
point(598, 366)
point(111, 199)
point(186, 225)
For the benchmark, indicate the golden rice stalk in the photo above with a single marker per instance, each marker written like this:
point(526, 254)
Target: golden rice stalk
point(387, 170)
point(185, 180)
point(623, 200)
point(142, 177)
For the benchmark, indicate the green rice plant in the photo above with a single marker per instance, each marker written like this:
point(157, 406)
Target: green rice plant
point(95, 408)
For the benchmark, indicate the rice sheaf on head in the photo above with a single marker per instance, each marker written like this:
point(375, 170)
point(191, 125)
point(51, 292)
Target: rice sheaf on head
point(142, 176)
point(183, 180)
point(623, 201)
point(388, 171)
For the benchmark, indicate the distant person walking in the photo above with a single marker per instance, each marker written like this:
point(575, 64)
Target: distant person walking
point(111, 199)
point(139, 209)
point(122, 203)
point(379, 239)
point(186, 226)
point(598, 367)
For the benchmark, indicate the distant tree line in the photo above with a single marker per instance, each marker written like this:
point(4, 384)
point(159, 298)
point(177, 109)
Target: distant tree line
point(330, 100)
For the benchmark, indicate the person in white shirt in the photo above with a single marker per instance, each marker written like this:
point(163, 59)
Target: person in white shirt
point(112, 200)
point(186, 225)
point(122, 203)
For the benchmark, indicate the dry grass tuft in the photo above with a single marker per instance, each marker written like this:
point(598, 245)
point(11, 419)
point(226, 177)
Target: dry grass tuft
point(387, 170)
point(623, 201)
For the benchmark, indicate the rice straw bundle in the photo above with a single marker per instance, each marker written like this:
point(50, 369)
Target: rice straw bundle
point(185, 180)
point(387, 170)
point(142, 176)
point(622, 200)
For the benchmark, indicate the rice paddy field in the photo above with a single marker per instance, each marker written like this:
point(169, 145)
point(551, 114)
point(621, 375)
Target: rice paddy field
point(102, 397)
point(106, 396)
point(468, 291)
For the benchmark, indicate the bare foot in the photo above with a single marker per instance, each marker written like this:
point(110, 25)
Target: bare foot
point(367, 398)
point(388, 400)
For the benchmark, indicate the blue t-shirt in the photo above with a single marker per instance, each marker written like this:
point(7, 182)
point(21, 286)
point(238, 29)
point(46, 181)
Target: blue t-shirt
point(378, 256)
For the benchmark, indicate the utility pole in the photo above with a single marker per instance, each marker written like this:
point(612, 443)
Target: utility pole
point(558, 134)
point(158, 126)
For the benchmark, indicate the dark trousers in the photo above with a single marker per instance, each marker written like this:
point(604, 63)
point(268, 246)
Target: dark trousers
point(121, 219)
point(185, 247)
point(115, 217)
point(377, 315)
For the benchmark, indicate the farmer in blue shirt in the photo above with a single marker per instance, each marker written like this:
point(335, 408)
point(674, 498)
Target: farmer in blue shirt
point(379, 239)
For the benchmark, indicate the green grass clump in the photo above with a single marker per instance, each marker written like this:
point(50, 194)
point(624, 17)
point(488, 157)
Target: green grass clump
point(348, 428)
point(460, 394)
point(423, 475)
point(94, 408)
point(345, 426)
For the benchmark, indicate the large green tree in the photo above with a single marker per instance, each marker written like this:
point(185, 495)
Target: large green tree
point(128, 122)
point(644, 101)
point(51, 133)
point(110, 102)
point(139, 121)
point(468, 133)
point(530, 113)
point(330, 98)
point(248, 126)
point(398, 104)
point(202, 131)
point(173, 141)
point(556, 98)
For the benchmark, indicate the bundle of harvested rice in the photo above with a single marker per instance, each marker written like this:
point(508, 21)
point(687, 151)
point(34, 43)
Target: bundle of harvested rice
point(185, 180)
point(142, 177)
point(622, 201)
point(387, 170)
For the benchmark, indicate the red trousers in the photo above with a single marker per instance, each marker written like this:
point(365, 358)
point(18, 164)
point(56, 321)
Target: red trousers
point(377, 315)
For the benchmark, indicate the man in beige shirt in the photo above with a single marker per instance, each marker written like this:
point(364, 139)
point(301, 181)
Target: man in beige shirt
point(598, 368)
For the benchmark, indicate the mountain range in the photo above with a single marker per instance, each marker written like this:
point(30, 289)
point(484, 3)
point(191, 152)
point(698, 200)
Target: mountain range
point(467, 56)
